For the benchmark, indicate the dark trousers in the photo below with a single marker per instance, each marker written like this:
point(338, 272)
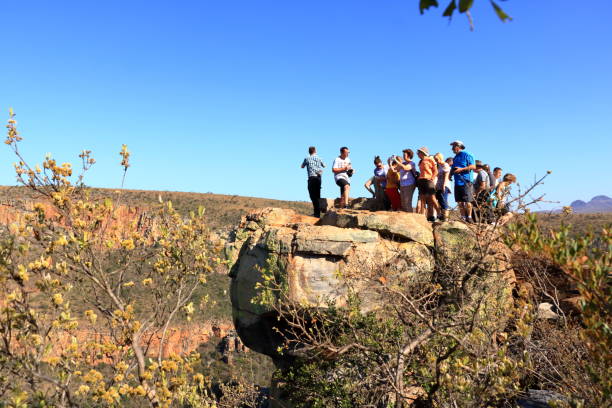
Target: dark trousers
point(314, 190)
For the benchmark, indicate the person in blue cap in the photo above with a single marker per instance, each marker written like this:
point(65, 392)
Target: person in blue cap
point(463, 165)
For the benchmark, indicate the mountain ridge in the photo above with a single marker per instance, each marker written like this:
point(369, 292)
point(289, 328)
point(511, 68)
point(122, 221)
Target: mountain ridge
point(597, 204)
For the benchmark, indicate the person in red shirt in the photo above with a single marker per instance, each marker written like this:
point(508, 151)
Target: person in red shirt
point(392, 187)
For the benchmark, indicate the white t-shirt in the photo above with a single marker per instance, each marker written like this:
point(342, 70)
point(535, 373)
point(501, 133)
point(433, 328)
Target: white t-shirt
point(443, 170)
point(339, 164)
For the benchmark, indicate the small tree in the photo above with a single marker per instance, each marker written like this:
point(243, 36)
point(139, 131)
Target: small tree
point(445, 337)
point(86, 302)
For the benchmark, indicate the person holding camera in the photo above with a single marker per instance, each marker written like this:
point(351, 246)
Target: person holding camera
point(408, 179)
point(343, 170)
point(393, 183)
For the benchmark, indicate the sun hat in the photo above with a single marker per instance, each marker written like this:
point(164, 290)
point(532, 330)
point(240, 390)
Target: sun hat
point(458, 142)
point(423, 150)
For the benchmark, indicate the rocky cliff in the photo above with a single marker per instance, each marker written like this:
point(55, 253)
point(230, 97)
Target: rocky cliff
point(317, 261)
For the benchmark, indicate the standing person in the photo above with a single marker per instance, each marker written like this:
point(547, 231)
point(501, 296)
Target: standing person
point(342, 171)
point(408, 179)
point(426, 183)
point(393, 180)
point(314, 166)
point(461, 170)
point(492, 182)
point(482, 188)
point(482, 179)
point(379, 181)
point(500, 199)
point(442, 189)
point(497, 175)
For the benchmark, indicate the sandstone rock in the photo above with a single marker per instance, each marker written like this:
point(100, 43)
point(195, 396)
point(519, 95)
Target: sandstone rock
point(360, 203)
point(275, 216)
point(316, 263)
point(364, 204)
point(325, 240)
point(393, 225)
point(545, 311)
point(453, 237)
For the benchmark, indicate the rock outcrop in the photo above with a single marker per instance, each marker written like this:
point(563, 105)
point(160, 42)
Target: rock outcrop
point(317, 261)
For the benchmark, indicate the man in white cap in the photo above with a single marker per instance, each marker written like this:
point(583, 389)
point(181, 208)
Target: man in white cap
point(463, 165)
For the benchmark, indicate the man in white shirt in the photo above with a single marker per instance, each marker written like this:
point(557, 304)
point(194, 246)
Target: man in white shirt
point(342, 171)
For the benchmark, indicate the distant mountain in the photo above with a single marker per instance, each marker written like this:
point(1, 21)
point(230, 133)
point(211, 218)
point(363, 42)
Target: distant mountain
point(598, 204)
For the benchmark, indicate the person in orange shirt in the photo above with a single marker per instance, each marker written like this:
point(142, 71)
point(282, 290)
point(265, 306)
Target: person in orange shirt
point(427, 184)
point(392, 187)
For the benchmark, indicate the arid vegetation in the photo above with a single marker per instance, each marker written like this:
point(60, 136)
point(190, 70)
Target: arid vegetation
point(457, 337)
point(89, 305)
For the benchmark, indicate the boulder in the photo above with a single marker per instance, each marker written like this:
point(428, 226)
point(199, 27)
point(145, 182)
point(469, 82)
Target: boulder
point(327, 204)
point(360, 203)
point(393, 225)
point(547, 311)
point(317, 263)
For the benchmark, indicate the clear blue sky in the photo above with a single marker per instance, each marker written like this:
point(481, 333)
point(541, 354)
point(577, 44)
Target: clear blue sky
point(226, 96)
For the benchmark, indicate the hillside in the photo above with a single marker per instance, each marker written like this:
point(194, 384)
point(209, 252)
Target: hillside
point(222, 211)
point(579, 223)
point(598, 204)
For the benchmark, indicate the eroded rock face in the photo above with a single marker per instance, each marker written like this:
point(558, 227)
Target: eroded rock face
point(392, 225)
point(317, 260)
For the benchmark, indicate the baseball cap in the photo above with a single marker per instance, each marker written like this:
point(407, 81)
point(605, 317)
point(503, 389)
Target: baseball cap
point(458, 142)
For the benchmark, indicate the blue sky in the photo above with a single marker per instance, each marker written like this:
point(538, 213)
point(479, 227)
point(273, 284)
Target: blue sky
point(226, 96)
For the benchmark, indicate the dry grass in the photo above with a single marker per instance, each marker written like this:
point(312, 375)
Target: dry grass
point(223, 211)
point(580, 223)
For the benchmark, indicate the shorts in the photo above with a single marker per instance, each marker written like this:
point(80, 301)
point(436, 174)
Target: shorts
point(342, 183)
point(464, 193)
point(426, 187)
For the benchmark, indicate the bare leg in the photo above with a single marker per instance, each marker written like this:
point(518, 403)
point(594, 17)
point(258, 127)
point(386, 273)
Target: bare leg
point(345, 195)
point(421, 208)
point(462, 209)
point(432, 205)
point(468, 210)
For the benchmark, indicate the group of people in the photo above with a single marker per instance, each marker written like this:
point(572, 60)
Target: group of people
point(393, 184)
